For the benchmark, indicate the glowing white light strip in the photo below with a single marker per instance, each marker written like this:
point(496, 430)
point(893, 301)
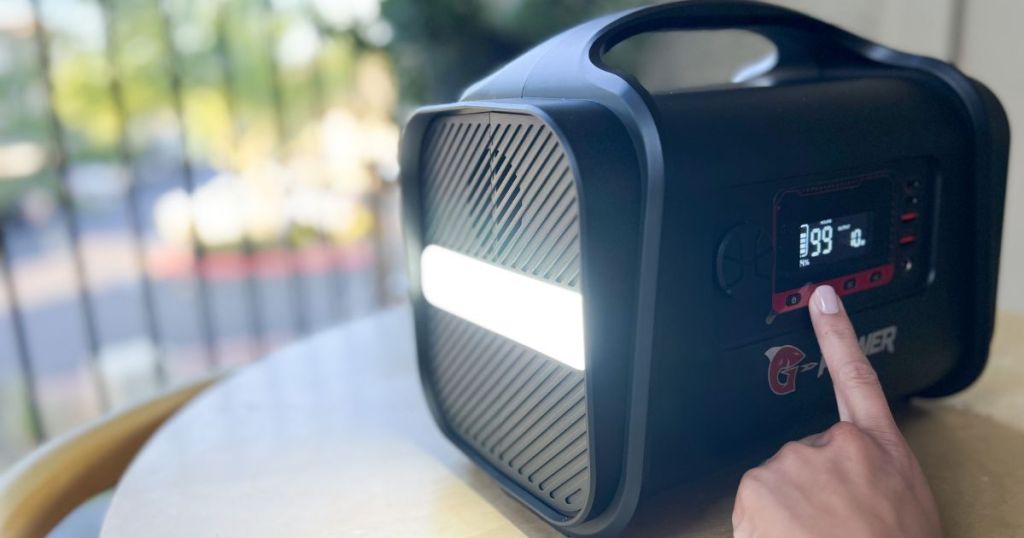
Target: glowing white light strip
point(539, 315)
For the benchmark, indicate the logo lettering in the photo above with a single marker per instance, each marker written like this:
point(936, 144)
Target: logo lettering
point(785, 362)
point(878, 341)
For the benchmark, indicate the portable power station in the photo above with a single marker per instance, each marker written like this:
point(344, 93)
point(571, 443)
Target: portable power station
point(610, 285)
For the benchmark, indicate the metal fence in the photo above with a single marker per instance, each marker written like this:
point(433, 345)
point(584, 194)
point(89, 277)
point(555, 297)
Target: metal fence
point(291, 114)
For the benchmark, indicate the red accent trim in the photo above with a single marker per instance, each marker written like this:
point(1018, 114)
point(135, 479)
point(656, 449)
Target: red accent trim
point(907, 239)
point(862, 280)
point(909, 216)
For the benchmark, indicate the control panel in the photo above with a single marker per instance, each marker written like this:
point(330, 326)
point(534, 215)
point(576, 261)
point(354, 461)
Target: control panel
point(869, 233)
point(854, 234)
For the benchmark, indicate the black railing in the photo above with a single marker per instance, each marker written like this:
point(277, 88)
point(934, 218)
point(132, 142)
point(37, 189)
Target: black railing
point(335, 275)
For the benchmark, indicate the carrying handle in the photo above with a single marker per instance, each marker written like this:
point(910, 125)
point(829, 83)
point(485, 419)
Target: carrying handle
point(570, 64)
point(803, 44)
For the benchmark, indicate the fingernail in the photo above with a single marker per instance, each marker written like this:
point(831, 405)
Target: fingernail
point(827, 300)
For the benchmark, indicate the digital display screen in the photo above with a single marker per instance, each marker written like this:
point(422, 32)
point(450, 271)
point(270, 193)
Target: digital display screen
point(826, 231)
point(834, 239)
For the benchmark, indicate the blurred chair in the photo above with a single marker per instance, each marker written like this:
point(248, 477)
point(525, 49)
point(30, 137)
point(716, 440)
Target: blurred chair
point(48, 484)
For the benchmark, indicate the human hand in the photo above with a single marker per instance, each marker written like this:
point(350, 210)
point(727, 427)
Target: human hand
point(859, 478)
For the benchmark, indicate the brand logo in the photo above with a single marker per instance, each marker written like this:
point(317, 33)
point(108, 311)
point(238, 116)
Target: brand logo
point(783, 366)
point(786, 362)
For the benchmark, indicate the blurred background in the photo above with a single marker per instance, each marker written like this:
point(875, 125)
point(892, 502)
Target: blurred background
point(188, 184)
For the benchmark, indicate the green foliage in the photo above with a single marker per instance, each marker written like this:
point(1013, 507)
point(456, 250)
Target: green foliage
point(222, 54)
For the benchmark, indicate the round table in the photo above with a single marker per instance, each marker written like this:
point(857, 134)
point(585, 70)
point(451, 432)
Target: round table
point(331, 437)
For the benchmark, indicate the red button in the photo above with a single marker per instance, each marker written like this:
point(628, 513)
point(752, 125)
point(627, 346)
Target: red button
point(909, 216)
point(907, 239)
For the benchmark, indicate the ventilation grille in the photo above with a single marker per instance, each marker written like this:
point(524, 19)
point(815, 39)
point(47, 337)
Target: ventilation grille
point(498, 187)
point(502, 191)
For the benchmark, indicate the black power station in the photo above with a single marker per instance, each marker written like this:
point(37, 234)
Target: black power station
point(610, 285)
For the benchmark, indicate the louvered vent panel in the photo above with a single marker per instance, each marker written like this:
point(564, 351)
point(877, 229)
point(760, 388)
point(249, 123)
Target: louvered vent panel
point(498, 187)
point(503, 191)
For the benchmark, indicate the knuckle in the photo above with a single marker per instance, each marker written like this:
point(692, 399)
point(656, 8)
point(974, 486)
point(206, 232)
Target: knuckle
point(851, 443)
point(858, 373)
point(845, 433)
point(751, 482)
point(791, 450)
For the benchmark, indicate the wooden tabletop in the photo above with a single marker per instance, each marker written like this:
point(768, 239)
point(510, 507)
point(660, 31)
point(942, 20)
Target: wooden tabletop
point(332, 437)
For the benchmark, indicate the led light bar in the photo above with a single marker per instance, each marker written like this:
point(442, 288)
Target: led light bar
point(536, 314)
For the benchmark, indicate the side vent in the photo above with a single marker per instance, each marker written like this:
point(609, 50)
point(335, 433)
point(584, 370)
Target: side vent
point(498, 187)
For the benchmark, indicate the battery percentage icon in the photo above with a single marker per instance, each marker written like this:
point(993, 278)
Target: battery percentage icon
point(804, 247)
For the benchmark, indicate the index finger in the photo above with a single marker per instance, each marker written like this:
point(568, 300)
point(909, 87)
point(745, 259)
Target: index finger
point(858, 392)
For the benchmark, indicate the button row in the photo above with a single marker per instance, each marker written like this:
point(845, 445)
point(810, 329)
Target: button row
point(849, 285)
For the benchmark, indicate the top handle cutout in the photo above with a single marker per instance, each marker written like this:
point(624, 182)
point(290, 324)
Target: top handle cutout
point(689, 60)
point(797, 47)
